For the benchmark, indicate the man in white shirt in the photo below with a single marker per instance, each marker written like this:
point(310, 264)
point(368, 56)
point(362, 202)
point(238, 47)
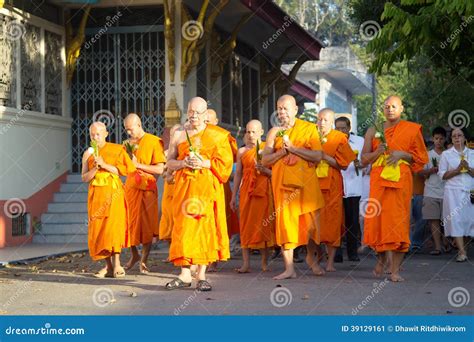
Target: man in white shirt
point(352, 179)
point(434, 189)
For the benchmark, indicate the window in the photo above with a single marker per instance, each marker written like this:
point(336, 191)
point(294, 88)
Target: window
point(39, 48)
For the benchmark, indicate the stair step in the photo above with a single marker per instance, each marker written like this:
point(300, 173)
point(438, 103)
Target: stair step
point(64, 218)
point(60, 238)
point(63, 229)
point(67, 208)
point(70, 197)
point(74, 187)
point(74, 178)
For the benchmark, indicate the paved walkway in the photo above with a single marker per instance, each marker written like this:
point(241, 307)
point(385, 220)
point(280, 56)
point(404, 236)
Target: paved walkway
point(34, 251)
point(64, 285)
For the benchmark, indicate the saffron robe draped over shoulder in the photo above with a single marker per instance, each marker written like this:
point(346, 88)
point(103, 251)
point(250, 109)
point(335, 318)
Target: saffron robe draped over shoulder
point(106, 205)
point(199, 233)
point(142, 193)
point(387, 218)
point(296, 191)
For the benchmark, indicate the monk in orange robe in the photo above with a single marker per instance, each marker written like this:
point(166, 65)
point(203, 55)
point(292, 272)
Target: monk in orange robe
point(337, 155)
point(394, 153)
point(253, 179)
point(202, 159)
point(141, 192)
point(232, 220)
point(292, 150)
point(106, 205)
point(166, 220)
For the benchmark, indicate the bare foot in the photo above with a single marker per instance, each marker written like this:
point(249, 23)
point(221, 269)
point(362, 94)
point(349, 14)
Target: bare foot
point(266, 269)
point(144, 268)
point(104, 273)
point(212, 267)
point(119, 272)
point(285, 275)
point(133, 260)
point(315, 267)
point(242, 270)
point(330, 268)
point(378, 270)
point(396, 278)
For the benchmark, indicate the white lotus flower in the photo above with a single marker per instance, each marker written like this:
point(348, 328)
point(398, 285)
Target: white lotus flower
point(378, 135)
point(286, 138)
point(90, 150)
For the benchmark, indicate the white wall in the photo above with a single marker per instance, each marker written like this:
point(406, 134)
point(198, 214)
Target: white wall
point(34, 151)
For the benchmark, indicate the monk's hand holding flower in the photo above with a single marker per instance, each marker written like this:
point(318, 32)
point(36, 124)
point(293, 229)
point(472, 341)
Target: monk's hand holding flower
point(99, 162)
point(394, 157)
point(135, 161)
point(287, 145)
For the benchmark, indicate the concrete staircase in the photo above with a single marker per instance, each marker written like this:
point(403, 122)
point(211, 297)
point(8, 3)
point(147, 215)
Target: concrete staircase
point(66, 218)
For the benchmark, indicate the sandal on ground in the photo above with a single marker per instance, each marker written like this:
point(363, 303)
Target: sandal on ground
point(104, 273)
point(461, 258)
point(119, 274)
point(435, 252)
point(203, 286)
point(176, 283)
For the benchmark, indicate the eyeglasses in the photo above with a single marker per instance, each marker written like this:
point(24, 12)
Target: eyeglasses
point(195, 112)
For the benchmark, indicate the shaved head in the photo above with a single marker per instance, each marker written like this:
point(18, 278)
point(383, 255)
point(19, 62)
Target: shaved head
point(212, 117)
point(132, 118)
point(97, 125)
point(393, 108)
point(197, 112)
point(98, 132)
point(326, 118)
point(256, 124)
point(133, 127)
point(287, 98)
point(253, 132)
point(286, 110)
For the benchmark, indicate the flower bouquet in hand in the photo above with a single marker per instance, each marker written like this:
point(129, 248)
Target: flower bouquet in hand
point(130, 148)
point(380, 134)
point(193, 151)
point(258, 154)
point(93, 149)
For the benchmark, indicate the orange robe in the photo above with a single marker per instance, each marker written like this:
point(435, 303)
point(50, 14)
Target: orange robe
point(166, 221)
point(142, 193)
point(331, 218)
point(256, 205)
point(296, 191)
point(387, 227)
point(199, 233)
point(106, 205)
point(232, 218)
